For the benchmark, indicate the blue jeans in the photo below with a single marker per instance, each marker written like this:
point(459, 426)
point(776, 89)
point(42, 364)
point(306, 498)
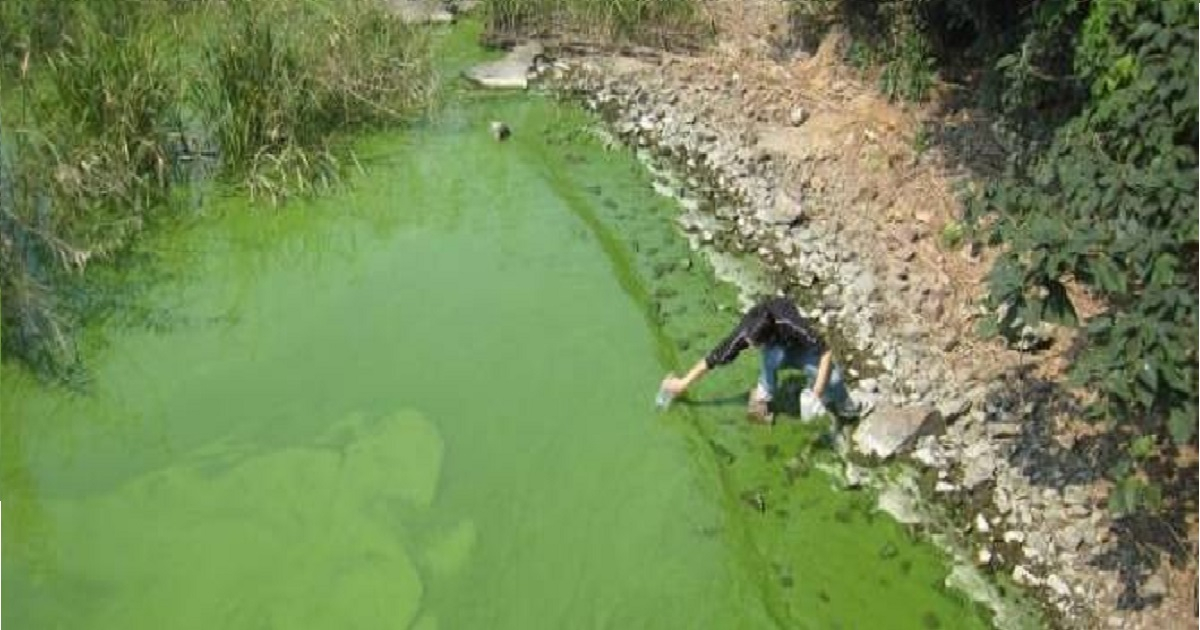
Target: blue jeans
point(775, 358)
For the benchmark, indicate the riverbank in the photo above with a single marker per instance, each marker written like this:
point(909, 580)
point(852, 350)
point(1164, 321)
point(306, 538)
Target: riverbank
point(116, 116)
point(830, 187)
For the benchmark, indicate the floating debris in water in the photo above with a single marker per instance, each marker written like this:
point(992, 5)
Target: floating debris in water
point(500, 130)
point(756, 500)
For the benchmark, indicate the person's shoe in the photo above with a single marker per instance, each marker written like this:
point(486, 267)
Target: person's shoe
point(759, 410)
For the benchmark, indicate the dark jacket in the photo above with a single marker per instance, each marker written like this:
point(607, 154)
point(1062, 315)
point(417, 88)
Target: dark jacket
point(774, 321)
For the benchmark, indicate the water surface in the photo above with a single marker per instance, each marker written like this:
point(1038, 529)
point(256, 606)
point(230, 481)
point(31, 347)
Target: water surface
point(426, 402)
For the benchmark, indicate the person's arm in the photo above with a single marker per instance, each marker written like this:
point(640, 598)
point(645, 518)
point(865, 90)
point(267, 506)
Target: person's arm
point(676, 386)
point(725, 352)
point(823, 370)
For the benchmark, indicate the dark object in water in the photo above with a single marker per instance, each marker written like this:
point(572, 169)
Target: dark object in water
point(756, 500)
point(500, 130)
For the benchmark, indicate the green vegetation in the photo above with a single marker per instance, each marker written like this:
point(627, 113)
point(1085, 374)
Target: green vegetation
point(951, 236)
point(667, 23)
point(1100, 191)
point(109, 108)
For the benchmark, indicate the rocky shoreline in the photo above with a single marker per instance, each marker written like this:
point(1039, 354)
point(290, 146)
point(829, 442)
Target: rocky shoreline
point(979, 445)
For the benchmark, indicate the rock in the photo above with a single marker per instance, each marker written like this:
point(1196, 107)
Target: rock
point(856, 477)
point(944, 486)
point(1014, 536)
point(798, 116)
point(924, 451)
point(1023, 576)
point(863, 285)
point(421, 11)
point(1005, 429)
point(785, 210)
point(511, 72)
point(1055, 583)
point(1036, 544)
point(953, 408)
point(502, 74)
point(981, 524)
point(1076, 496)
point(891, 429)
point(500, 130)
point(869, 385)
point(902, 505)
point(980, 467)
point(985, 555)
point(1070, 537)
point(1154, 587)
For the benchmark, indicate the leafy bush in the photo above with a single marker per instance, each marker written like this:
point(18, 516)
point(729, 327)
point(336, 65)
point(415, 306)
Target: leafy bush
point(1111, 203)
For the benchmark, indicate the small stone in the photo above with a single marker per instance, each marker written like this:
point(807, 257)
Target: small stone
point(953, 408)
point(1014, 536)
point(1022, 575)
point(798, 116)
point(1004, 429)
point(924, 452)
point(985, 555)
point(979, 468)
point(1070, 537)
point(1154, 587)
point(944, 486)
point(1058, 585)
point(981, 524)
point(1078, 511)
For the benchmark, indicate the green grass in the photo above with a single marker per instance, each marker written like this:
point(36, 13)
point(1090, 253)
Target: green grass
point(107, 105)
point(666, 23)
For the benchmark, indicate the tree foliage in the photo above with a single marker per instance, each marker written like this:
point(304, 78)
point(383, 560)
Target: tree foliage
point(1110, 201)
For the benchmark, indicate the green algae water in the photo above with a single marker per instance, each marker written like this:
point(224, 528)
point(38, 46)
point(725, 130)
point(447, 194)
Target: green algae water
point(427, 402)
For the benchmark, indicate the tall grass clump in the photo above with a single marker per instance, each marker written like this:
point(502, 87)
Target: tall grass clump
point(81, 167)
point(105, 103)
point(663, 23)
point(288, 80)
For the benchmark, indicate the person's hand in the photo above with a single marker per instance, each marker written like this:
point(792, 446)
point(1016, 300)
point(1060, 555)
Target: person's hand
point(673, 385)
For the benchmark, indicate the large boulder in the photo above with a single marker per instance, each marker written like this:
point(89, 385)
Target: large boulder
point(891, 429)
point(510, 72)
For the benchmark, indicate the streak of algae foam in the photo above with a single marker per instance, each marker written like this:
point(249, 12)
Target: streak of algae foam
point(326, 511)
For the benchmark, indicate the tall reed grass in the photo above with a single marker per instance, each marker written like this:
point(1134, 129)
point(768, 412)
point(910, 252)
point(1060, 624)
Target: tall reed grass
point(101, 102)
point(662, 23)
